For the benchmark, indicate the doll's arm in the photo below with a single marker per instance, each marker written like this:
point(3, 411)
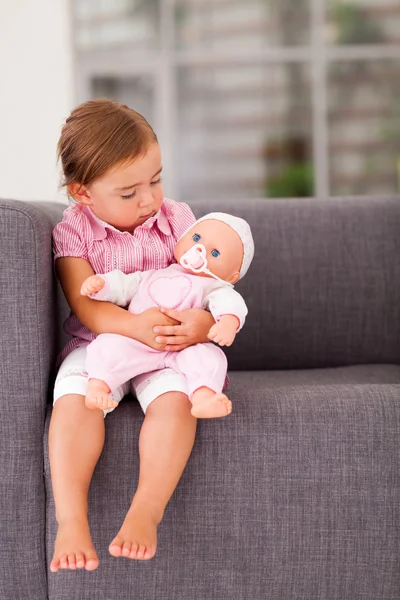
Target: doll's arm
point(115, 287)
point(229, 311)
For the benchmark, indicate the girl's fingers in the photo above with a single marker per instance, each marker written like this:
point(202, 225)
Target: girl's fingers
point(176, 348)
point(167, 329)
point(170, 312)
point(172, 340)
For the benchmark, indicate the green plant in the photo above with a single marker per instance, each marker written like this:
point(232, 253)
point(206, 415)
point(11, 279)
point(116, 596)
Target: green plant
point(296, 181)
point(354, 26)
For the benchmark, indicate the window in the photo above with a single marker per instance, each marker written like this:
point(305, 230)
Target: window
point(254, 98)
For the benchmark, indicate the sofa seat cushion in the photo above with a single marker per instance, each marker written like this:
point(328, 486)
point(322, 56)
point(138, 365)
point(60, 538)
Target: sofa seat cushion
point(299, 484)
point(359, 374)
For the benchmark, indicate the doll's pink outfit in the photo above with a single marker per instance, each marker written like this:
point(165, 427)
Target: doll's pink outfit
point(115, 359)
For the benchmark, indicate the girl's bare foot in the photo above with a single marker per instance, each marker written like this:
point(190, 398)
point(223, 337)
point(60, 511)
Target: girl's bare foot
point(74, 548)
point(137, 538)
point(97, 395)
point(206, 404)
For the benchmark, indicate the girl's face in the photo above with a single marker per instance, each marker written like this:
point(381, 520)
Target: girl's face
point(127, 195)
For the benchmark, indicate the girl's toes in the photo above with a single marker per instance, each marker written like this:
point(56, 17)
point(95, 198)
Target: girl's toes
point(149, 553)
point(63, 562)
point(126, 549)
point(55, 565)
point(71, 561)
point(115, 548)
point(80, 561)
point(141, 551)
point(133, 552)
point(92, 562)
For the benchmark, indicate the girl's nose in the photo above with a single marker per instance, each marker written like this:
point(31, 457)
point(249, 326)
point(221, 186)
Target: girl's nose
point(146, 199)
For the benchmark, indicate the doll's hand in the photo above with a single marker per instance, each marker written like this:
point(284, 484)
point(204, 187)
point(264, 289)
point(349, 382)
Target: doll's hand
point(92, 285)
point(224, 332)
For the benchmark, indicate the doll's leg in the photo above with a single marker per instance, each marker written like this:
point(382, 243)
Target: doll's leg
point(204, 366)
point(111, 361)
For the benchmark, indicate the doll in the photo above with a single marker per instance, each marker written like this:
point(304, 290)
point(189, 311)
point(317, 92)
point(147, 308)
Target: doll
point(211, 257)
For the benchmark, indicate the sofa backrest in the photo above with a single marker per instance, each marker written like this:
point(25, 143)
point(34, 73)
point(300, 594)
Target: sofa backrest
point(324, 286)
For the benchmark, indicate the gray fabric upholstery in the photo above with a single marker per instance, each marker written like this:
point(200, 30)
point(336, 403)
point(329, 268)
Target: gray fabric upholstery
point(296, 495)
point(26, 351)
point(324, 287)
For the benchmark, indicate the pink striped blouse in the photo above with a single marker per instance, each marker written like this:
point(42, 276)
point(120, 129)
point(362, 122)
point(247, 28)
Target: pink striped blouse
point(81, 234)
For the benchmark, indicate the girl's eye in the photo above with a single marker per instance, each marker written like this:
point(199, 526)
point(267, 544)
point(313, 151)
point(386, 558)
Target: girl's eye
point(196, 237)
point(128, 196)
point(215, 253)
point(156, 182)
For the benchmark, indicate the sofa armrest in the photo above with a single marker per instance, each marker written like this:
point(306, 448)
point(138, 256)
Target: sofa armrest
point(26, 355)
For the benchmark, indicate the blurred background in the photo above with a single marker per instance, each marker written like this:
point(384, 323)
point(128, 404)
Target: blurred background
point(249, 98)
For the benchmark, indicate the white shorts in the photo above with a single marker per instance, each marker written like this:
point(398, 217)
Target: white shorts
point(72, 379)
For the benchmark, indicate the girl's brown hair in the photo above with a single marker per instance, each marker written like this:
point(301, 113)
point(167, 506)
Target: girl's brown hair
point(98, 135)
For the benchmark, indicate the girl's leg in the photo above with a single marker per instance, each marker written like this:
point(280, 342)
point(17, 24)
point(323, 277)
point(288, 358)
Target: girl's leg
point(76, 439)
point(166, 441)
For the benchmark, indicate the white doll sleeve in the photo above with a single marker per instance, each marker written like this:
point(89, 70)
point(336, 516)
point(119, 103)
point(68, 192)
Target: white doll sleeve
point(226, 301)
point(119, 288)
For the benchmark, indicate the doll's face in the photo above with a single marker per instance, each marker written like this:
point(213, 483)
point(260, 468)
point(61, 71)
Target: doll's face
point(223, 245)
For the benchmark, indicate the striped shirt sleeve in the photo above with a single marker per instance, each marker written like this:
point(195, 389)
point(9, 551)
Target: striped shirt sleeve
point(69, 237)
point(180, 217)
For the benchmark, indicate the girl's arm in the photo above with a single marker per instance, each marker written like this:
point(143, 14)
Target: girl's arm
point(104, 317)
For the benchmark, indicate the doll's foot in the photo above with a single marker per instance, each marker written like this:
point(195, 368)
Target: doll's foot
point(137, 538)
point(74, 548)
point(97, 395)
point(206, 404)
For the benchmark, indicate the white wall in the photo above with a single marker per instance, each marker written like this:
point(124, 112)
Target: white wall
point(36, 94)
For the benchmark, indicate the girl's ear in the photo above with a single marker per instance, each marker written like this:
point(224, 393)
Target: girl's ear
point(80, 193)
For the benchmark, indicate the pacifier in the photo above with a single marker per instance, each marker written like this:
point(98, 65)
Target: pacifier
point(195, 259)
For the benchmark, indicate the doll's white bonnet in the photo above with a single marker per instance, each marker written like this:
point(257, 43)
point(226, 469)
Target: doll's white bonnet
point(243, 230)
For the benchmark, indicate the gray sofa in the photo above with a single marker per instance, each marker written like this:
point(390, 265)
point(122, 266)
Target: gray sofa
point(296, 495)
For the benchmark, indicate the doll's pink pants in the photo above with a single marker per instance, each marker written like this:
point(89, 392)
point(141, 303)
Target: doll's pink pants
point(116, 359)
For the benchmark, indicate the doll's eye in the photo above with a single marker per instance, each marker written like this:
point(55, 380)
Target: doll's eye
point(215, 253)
point(196, 237)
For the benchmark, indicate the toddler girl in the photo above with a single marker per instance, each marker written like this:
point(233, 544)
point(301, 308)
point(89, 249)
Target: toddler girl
point(120, 220)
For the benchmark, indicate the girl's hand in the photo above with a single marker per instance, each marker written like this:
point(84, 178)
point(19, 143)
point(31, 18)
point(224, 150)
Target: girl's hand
point(92, 285)
point(192, 328)
point(145, 323)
